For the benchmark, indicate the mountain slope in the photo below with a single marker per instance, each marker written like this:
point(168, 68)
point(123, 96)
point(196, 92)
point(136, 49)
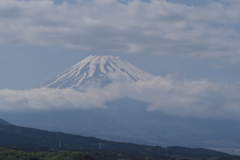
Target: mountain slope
point(98, 71)
point(35, 139)
point(2, 122)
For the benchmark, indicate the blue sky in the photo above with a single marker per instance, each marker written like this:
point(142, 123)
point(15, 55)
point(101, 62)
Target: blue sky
point(195, 42)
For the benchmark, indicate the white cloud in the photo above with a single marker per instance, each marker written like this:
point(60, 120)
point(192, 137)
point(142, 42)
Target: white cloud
point(201, 99)
point(46, 98)
point(157, 27)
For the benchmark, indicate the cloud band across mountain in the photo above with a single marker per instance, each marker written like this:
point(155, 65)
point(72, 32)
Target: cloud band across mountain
point(201, 99)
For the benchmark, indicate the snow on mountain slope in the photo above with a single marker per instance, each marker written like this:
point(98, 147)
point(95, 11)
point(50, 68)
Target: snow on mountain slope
point(98, 71)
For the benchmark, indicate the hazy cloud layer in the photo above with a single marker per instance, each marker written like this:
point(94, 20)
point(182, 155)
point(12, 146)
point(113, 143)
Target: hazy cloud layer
point(46, 98)
point(202, 99)
point(155, 27)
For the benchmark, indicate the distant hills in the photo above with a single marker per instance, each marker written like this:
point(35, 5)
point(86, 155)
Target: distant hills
point(30, 139)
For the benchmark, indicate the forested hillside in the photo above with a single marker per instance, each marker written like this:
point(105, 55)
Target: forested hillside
point(13, 154)
point(53, 144)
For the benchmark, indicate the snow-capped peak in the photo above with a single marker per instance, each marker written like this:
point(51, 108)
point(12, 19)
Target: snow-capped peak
point(98, 71)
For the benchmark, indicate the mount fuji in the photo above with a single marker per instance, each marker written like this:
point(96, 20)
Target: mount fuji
point(98, 71)
point(124, 119)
